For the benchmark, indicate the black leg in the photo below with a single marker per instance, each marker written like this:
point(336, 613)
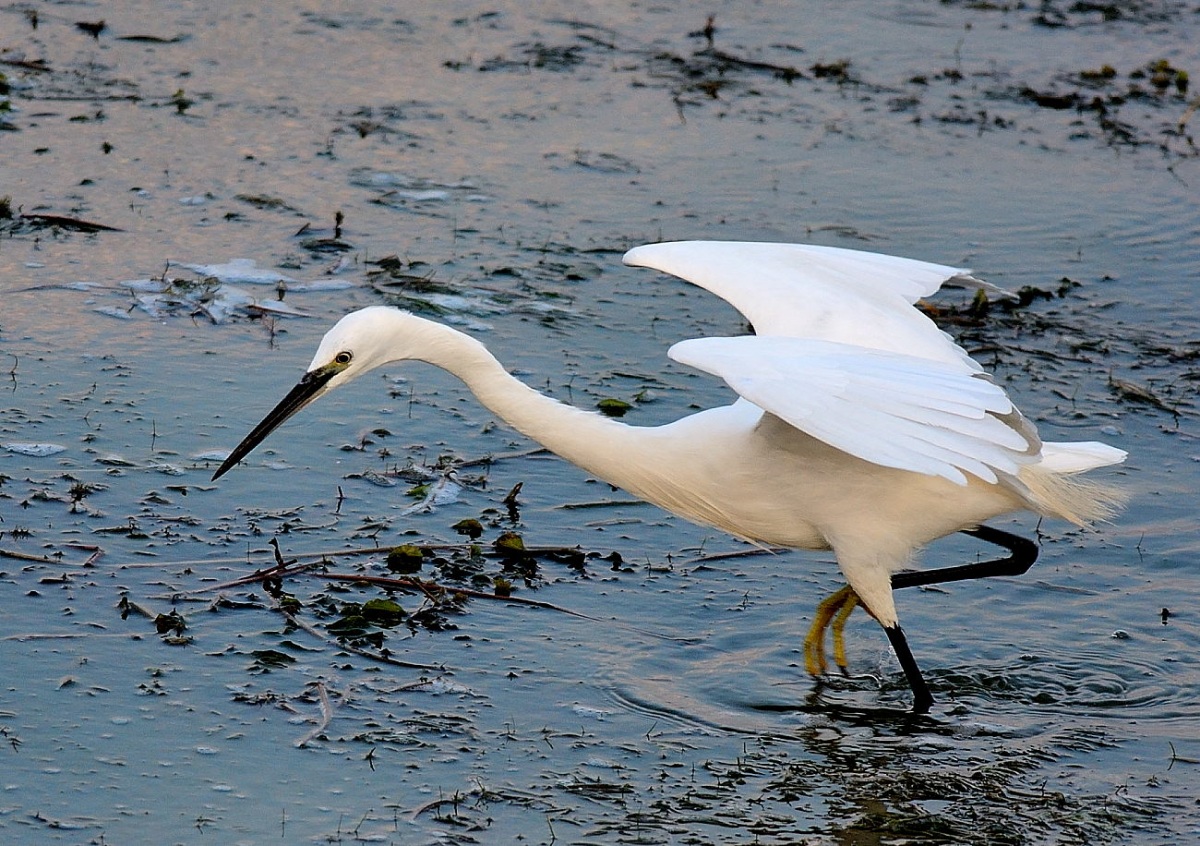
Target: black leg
point(1023, 553)
point(922, 698)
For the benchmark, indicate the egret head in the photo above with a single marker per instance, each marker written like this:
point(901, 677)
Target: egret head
point(360, 341)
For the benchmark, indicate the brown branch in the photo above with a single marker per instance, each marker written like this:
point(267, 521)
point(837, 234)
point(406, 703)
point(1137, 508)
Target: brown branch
point(25, 556)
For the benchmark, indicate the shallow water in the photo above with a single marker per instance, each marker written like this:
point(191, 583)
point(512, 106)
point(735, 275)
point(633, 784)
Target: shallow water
point(512, 155)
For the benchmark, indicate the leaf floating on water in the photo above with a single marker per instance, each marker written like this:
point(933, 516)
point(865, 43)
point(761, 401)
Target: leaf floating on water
point(272, 658)
point(352, 624)
point(405, 558)
point(470, 527)
point(384, 612)
point(114, 460)
point(35, 450)
point(510, 543)
point(613, 407)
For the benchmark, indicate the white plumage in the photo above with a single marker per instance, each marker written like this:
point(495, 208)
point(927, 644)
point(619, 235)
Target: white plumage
point(861, 427)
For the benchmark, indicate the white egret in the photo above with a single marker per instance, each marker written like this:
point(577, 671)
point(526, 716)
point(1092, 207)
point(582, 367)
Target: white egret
point(860, 426)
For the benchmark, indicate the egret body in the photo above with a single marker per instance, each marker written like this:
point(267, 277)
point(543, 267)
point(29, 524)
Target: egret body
point(860, 427)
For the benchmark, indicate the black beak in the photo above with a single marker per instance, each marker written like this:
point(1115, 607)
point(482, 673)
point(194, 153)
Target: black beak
point(310, 385)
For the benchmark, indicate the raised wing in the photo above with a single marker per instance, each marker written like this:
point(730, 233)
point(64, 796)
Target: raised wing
point(824, 293)
point(898, 411)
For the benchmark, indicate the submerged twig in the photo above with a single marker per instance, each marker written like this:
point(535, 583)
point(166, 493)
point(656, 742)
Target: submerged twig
point(96, 554)
point(425, 587)
point(326, 714)
point(26, 556)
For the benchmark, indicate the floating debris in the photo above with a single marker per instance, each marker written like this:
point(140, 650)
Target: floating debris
point(111, 311)
point(1133, 392)
point(444, 491)
point(320, 286)
point(375, 478)
point(72, 223)
point(35, 450)
point(218, 300)
point(92, 28)
point(406, 558)
point(611, 407)
point(275, 307)
point(114, 460)
point(457, 303)
point(239, 270)
point(440, 686)
point(591, 712)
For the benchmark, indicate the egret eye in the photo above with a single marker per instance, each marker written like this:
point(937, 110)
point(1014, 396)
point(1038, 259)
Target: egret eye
point(343, 358)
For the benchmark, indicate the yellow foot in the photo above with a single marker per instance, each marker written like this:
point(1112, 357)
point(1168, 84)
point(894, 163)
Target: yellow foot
point(834, 610)
point(839, 629)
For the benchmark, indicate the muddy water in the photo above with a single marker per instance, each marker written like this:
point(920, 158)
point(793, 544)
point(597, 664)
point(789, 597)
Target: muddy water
point(507, 156)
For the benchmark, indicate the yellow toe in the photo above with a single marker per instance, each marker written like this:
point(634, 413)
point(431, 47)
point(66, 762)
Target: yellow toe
point(839, 629)
point(834, 609)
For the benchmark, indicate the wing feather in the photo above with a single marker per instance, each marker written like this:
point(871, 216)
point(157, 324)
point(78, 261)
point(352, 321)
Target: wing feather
point(894, 410)
point(825, 293)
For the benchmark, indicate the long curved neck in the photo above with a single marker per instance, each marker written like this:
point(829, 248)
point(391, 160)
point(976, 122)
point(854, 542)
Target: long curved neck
point(583, 437)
